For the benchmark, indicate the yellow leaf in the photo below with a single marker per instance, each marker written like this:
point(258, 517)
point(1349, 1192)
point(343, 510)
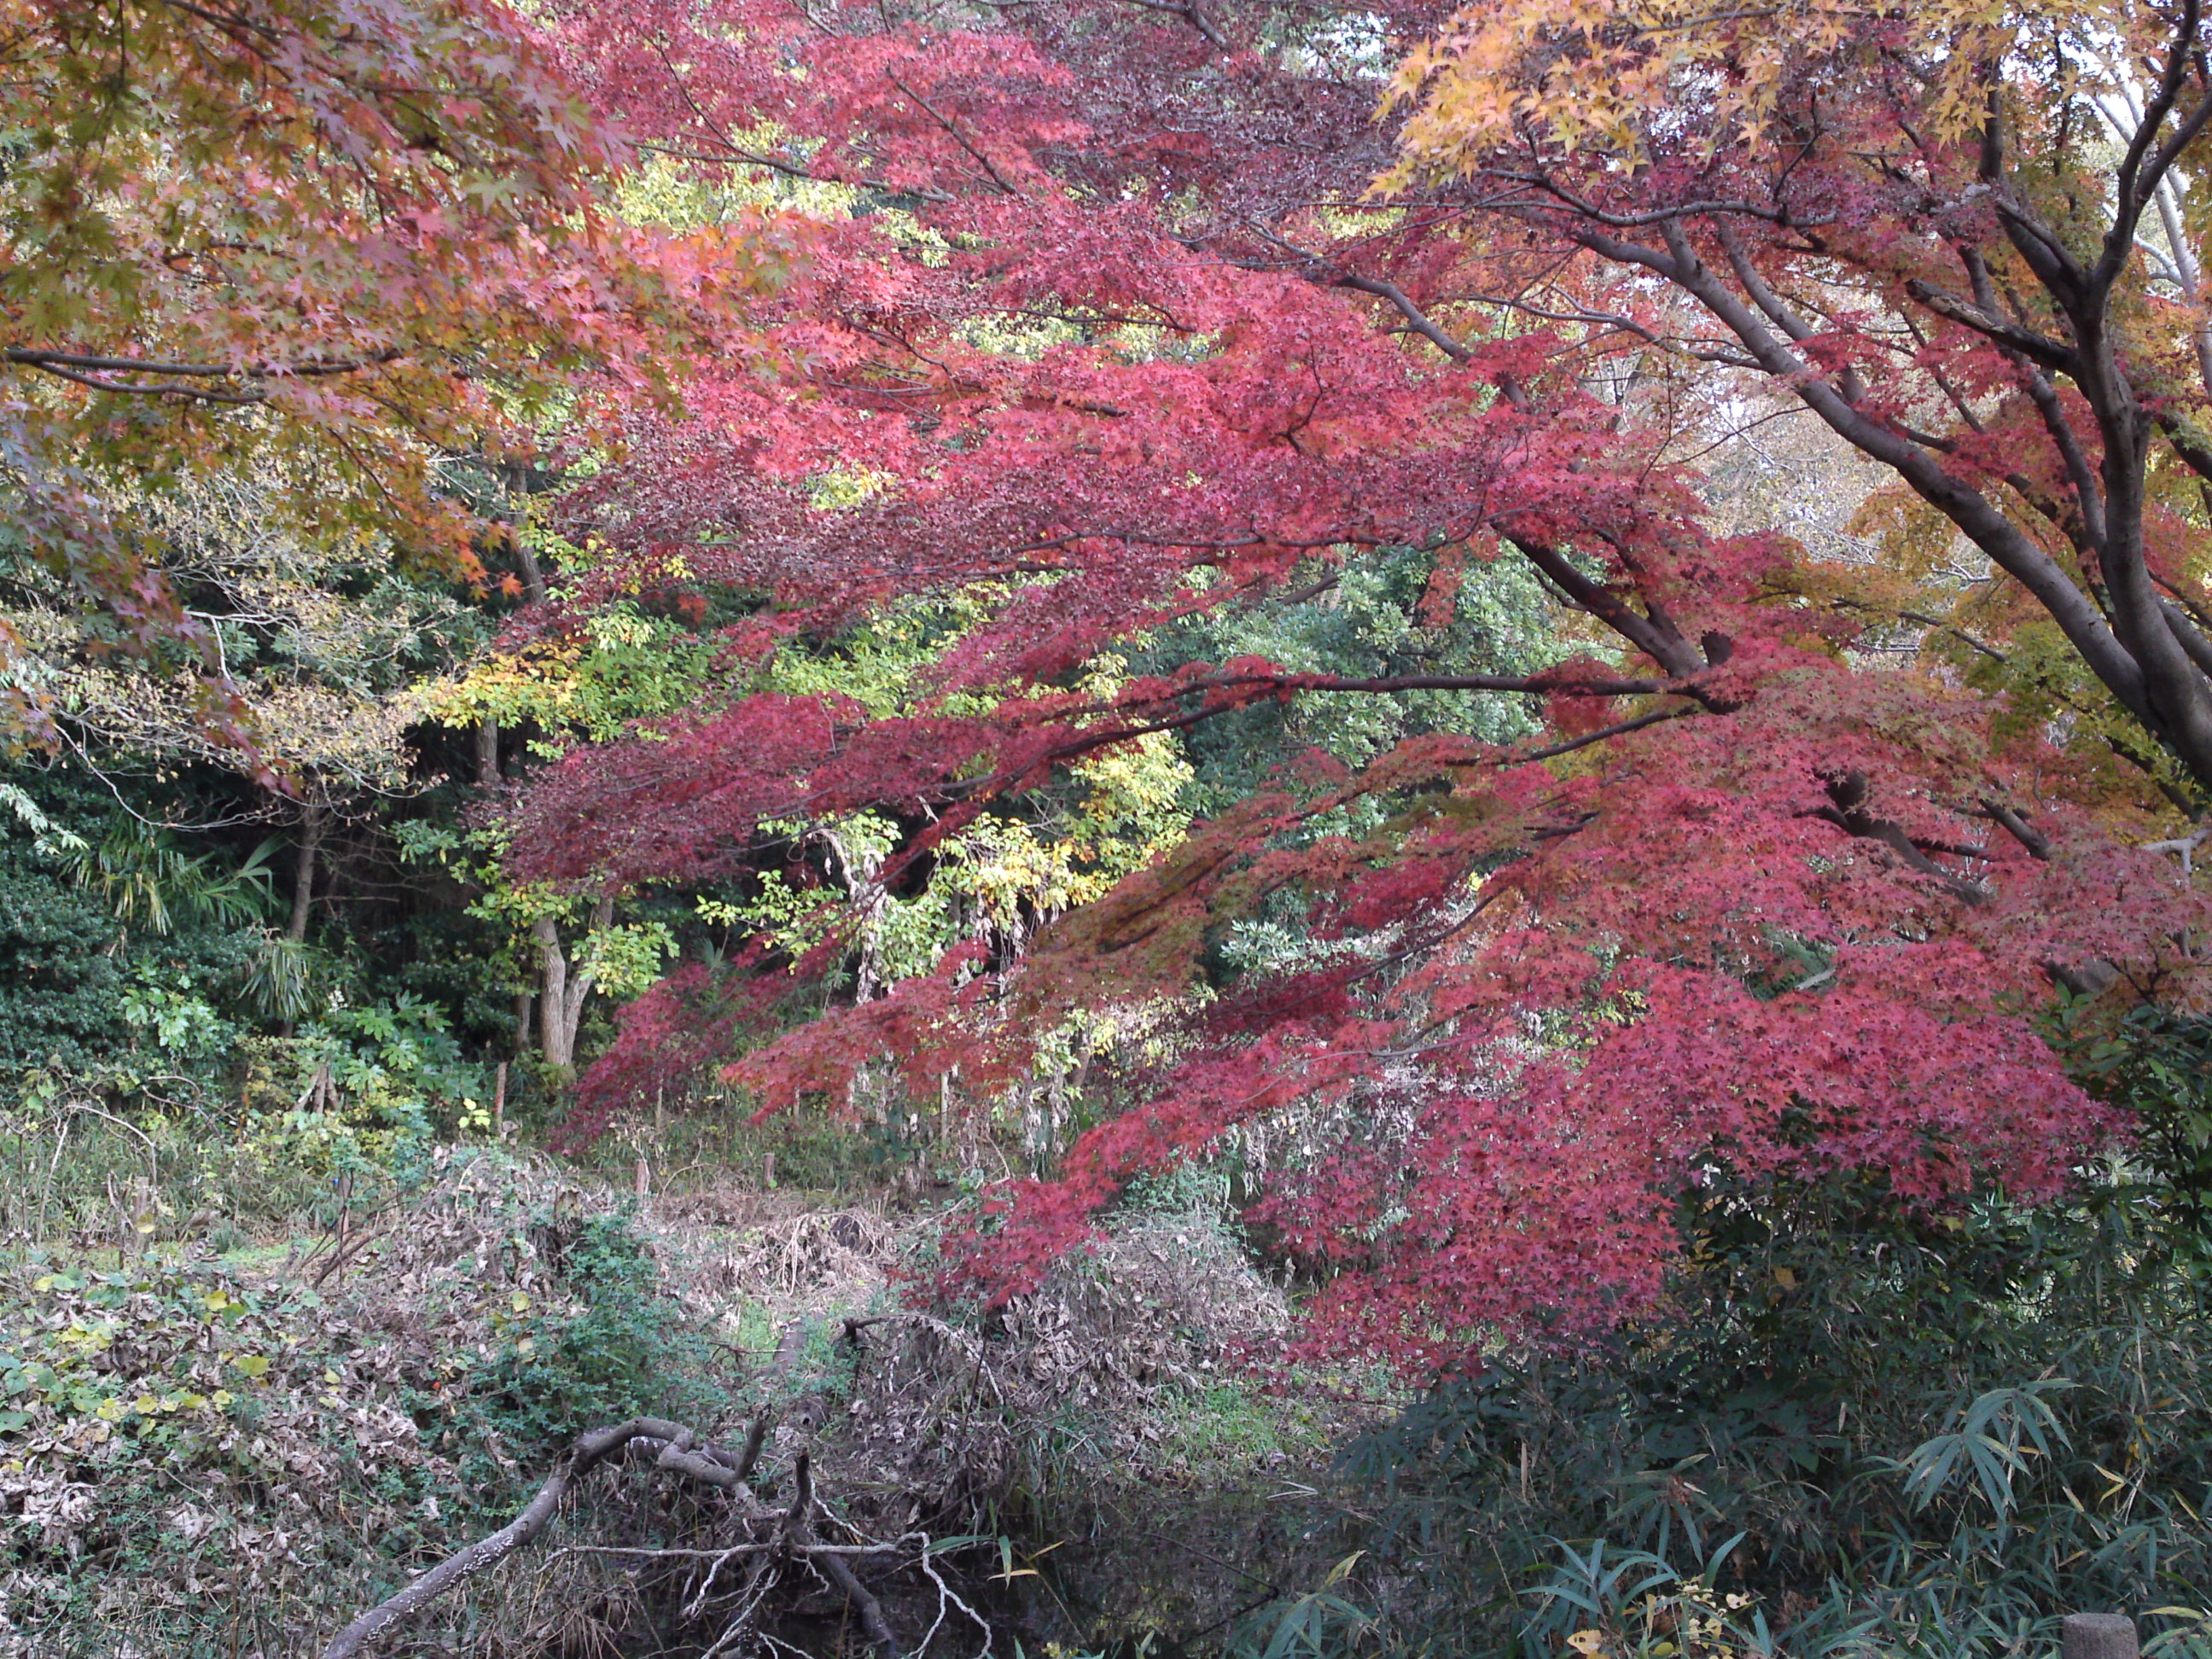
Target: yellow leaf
point(253, 1365)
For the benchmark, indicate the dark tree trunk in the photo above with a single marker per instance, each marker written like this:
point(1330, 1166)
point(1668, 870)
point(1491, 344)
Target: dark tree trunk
point(312, 825)
point(487, 752)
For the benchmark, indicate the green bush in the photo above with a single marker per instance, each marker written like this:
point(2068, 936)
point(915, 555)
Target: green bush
point(2156, 1065)
point(1849, 1430)
point(628, 1349)
point(65, 986)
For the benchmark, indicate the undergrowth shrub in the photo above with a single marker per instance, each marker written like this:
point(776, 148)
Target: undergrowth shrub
point(1850, 1431)
point(196, 1460)
point(64, 999)
point(174, 1447)
point(621, 1348)
point(279, 1137)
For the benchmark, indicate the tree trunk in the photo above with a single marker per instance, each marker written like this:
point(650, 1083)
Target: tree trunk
point(561, 994)
point(487, 752)
point(533, 579)
point(555, 1036)
point(303, 871)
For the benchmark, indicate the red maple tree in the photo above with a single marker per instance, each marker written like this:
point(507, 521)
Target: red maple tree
point(1122, 335)
point(330, 247)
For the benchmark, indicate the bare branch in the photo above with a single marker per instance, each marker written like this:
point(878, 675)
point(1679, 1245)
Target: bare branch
point(2037, 347)
point(800, 1529)
point(674, 1447)
point(1423, 325)
point(459, 1567)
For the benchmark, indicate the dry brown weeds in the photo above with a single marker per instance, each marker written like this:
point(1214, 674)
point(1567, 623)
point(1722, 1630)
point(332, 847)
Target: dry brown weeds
point(249, 1530)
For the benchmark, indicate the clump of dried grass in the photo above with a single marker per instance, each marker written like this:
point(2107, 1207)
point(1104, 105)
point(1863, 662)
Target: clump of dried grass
point(1083, 1381)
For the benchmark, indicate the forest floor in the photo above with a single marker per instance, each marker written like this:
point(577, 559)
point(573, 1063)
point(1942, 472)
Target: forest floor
point(231, 1450)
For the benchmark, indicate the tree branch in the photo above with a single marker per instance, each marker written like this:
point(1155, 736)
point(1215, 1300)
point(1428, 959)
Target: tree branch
point(800, 1528)
point(2038, 347)
point(2009, 819)
point(459, 1567)
point(1422, 324)
point(2141, 168)
point(82, 368)
point(1847, 811)
point(1979, 519)
point(676, 1449)
point(1662, 644)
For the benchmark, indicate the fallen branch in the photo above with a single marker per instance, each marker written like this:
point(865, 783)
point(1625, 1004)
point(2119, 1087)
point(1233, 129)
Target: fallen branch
point(799, 1529)
point(459, 1568)
point(786, 1533)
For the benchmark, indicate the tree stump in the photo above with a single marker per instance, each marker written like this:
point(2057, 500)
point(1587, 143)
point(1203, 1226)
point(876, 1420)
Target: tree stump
point(2098, 1636)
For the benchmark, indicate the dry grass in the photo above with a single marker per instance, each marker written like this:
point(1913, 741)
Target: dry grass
point(276, 1518)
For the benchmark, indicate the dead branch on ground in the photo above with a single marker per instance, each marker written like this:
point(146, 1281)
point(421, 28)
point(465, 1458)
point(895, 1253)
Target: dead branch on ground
point(774, 1537)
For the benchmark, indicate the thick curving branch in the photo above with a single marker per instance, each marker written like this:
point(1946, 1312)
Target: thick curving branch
point(787, 1533)
point(458, 1568)
point(798, 1529)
